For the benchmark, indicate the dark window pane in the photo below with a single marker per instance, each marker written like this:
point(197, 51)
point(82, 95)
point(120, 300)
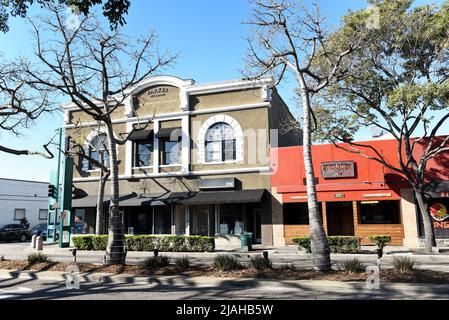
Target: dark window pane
point(379, 212)
point(296, 213)
point(229, 150)
point(144, 149)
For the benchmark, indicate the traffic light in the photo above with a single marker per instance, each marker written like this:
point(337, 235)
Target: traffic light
point(51, 191)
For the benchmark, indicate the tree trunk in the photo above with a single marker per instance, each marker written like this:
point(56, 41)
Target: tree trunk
point(100, 200)
point(115, 251)
point(427, 220)
point(318, 239)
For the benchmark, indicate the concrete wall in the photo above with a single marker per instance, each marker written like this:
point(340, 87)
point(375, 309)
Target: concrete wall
point(19, 194)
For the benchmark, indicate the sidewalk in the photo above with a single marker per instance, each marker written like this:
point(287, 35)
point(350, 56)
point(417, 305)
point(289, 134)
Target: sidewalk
point(271, 289)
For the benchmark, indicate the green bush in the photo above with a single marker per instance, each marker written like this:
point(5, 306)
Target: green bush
point(403, 264)
point(352, 265)
point(2, 258)
point(260, 263)
point(152, 263)
point(149, 243)
point(303, 242)
point(37, 258)
point(226, 262)
point(182, 264)
point(380, 240)
point(337, 244)
point(83, 242)
point(99, 243)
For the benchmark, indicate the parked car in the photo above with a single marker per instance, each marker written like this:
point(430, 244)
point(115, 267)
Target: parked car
point(10, 232)
point(41, 230)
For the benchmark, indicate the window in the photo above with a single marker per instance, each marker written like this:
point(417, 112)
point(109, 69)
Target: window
point(98, 151)
point(379, 212)
point(220, 143)
point(296, 213)
point(162, 220)
point(202, 220)
point(42, 214)
point(144, 150)
point(171, 152)
point(19, 214)
point(231, 219)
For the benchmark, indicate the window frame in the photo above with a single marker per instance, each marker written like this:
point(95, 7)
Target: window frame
point(39, 214)
point(136, 153)
point(163, 152)
point(221, 142)
point(91, 166)
point(15, 213)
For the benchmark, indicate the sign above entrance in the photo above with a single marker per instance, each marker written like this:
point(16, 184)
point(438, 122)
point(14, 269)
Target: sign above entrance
point(218, 183)
point(337, 169)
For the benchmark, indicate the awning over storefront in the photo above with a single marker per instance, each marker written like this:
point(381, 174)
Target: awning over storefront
point(166, 133)
point(235, 196)
point(155, 199)
point(91, 201)
point(139, 135)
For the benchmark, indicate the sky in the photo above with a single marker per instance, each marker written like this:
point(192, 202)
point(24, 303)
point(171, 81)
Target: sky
point(208, 35)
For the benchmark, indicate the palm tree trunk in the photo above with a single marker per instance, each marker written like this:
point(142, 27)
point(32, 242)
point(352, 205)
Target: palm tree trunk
point(427, 220)
point(115, 250)
point(318, 239)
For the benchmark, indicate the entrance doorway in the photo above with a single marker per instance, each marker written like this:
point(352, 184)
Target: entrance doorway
point(340, 219)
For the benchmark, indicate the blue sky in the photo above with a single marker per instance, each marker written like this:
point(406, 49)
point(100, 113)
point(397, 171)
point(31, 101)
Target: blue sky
point(207, 34)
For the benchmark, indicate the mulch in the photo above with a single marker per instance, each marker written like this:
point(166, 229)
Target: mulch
point(389, 275)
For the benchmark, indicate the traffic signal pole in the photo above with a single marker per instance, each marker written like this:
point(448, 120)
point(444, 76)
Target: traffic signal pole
point(53, 196)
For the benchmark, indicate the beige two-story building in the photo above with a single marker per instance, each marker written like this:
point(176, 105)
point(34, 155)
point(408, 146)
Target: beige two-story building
point(201, 166)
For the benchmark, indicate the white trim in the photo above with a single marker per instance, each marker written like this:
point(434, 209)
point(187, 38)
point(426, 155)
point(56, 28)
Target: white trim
point(230, 85)
point(170, 165)
point(176, 115)
point(185, 144)
point(92, 134)
point(156, 152)
point(181, 174)
point(143, 167)
point(210, 122)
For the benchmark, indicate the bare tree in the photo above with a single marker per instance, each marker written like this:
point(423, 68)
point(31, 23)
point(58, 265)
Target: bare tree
point(291, 40)
point(96, 70)
point(20, 106)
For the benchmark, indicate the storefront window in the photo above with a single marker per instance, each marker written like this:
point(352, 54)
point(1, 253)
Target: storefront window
point(162, 220)
point(379, 212)
point(296, 213)
point(231, 219)
point(80, 221)
point(202, 220)
point(180, 220)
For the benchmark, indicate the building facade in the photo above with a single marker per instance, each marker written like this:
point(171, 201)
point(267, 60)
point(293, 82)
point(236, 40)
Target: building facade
point(22, 198)
point(200, 166)
point(357, 196)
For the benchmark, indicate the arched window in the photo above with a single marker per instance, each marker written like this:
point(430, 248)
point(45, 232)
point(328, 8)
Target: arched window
point(220, 143)
point(98, 151)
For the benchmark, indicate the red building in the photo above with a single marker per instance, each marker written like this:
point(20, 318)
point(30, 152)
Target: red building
point(357, 196)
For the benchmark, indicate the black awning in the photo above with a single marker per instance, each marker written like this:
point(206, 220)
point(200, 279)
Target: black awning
point(236, 196)
point(155, 199)
point(140, 135)
point(174, 134)
point(91, 201)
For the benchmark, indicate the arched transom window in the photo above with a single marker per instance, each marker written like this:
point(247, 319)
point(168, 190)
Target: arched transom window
point(220, 143)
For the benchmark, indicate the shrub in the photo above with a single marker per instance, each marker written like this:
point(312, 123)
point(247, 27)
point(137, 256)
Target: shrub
point(303, 242)
point(182, 264)
point(260, 263)
point(403, 264)
point(37, 258)
point(352, 265)
point(337, 244)
point(99, 243)
point(288, 267)
point(83, 242)
point(149, 243)
point(2, 258)
point(226, 263)
point(380, 240)
point(154, 262)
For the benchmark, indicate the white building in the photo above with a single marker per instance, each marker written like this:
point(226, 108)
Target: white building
point(22, 198)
